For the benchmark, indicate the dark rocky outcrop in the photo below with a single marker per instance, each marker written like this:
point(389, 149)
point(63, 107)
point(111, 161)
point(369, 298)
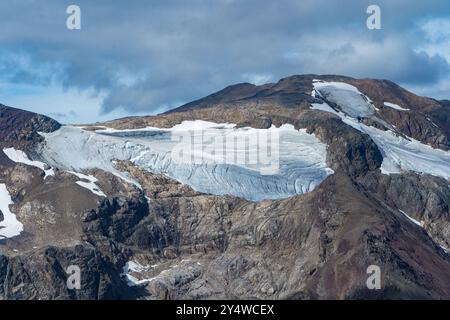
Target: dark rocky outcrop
point(42, 275)
point(315, 246)
point(19, 128)
point(422, 197)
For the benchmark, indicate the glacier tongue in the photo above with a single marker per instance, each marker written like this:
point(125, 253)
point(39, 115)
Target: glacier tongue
point(295, 164)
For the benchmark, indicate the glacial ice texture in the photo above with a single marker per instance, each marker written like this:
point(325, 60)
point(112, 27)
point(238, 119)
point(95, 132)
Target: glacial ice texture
point(254, 164)
point(346, 97)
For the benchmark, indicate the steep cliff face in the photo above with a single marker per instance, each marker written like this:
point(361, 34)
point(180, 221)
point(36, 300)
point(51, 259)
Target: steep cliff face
point(43, 275)
point(141, 234)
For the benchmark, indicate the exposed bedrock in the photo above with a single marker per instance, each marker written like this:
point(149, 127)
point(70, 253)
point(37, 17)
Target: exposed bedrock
point(313, 246)
point(349, 150)
point(422, 197)
point(42, 274)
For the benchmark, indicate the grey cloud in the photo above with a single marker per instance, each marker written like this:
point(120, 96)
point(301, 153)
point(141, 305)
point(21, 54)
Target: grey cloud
point(62, 115)
point(146, 56)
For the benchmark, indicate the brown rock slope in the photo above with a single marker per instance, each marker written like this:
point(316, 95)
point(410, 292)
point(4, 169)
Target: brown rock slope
point(197, 246)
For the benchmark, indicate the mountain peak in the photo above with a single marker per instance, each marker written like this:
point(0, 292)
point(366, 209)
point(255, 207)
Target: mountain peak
point(357, 159)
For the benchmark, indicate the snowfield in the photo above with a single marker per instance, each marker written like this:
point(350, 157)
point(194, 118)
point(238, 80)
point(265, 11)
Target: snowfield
point(19, 156)
point(254, 164)
point(90, 184)
point(9, 226)
point(399, 154)
point(394, 106)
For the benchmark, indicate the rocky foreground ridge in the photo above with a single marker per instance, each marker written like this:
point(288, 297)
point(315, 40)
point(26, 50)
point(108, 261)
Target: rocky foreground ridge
point(165, 240)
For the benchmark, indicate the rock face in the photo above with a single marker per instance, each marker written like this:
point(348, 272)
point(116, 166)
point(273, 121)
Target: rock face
point(159, 239)
point(20, 128)
point(42, 274)
point(316, 246)
point(422, 197)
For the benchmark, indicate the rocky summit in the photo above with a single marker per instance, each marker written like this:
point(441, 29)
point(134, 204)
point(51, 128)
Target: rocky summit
point(355, 186)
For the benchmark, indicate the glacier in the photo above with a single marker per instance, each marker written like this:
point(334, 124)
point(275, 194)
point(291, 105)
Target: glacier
point(132, 267)
point(400, 153)
point(212, 158)
point(347, 97)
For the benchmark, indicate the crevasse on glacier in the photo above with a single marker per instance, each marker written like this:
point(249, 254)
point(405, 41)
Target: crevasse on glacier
point(215, 158)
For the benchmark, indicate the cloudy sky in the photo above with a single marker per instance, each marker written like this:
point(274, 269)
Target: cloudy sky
point(135, 57)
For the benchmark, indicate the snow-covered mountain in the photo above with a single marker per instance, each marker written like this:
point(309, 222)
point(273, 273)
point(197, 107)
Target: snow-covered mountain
point(286, 184)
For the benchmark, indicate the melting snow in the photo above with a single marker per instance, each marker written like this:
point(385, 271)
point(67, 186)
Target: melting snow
point(19, 156)
point(297, 166)
point(90, 185)
point(10, 226)
point(394, 106)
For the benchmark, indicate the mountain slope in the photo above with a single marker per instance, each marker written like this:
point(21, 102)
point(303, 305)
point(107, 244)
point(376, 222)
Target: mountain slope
point(20, 128)
point(155, 238)
point(425, 120)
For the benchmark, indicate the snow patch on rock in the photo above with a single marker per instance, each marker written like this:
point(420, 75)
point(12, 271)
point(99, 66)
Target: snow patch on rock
point(394, 106)
point(420, 224)
point(90, 184)
point(178, 273)
point(9, 227)
point(19, 156)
